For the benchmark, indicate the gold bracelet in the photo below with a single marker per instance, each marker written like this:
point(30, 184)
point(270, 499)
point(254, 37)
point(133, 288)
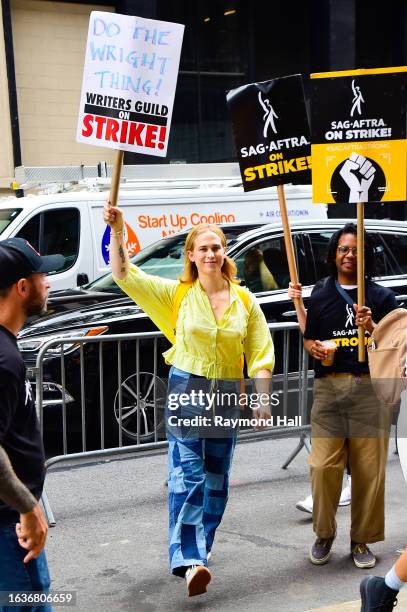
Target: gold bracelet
point(116, 233)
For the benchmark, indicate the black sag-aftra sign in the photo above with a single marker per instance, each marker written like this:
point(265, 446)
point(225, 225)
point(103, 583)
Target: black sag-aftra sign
point(271, 130)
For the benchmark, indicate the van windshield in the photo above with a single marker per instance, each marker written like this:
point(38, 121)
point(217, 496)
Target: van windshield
point(7, 215)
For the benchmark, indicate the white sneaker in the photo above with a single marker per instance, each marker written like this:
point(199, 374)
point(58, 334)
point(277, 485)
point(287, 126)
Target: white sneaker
point(209, 556)
point(197, 577)
point(346, 495)
point(305, 505)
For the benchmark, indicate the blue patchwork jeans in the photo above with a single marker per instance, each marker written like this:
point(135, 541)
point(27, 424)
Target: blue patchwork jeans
point(198, 485)
point(18, 576)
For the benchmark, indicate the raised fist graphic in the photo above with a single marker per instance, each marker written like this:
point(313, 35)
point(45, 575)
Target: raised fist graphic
point(358, 173)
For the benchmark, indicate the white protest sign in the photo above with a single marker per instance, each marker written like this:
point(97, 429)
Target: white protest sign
point(401, 434)
point(129, 81)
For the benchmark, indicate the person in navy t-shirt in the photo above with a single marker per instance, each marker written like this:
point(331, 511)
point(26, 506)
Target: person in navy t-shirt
point(24, 291)
point(348, 423)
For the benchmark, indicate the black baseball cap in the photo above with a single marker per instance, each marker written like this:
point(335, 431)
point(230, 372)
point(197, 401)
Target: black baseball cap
point(18, 259)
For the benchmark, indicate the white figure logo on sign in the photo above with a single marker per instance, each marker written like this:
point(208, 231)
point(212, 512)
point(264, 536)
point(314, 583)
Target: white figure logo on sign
point(28, 394)
point(357, 99)
point(350, 316)
point(269, 115)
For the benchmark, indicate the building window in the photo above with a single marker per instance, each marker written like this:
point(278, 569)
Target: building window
point(214, 59)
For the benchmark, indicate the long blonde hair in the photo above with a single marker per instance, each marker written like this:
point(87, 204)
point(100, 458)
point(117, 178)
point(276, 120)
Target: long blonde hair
point(190, 273)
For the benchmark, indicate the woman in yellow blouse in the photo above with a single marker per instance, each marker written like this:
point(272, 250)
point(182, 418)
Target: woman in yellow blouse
point(217, 321)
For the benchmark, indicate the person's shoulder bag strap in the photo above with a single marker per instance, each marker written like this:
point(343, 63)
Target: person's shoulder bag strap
point(244, 296)
point(180, 293)
point(343, 293)
point(347, 297)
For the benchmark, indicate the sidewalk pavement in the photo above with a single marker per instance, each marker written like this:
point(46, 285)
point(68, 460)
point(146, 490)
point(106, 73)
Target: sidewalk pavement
point(110, 546)
point(353, 606)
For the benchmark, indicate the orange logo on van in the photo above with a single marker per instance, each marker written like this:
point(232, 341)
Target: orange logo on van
point(132, 242)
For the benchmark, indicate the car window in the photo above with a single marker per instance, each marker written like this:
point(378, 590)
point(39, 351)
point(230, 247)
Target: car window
point(320, 243)
point(31, 232)
point(383, 264)
point(264, 266)
point(61, 235)
point(54, 231)
point(166, 261)
point(165, 258)
point(395, 246)
point(7, 215)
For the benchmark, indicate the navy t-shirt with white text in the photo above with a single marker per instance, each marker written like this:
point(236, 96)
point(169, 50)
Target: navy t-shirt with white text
point(330, 317)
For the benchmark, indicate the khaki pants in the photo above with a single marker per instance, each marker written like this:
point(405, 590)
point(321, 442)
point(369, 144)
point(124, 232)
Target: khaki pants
point(348, 425)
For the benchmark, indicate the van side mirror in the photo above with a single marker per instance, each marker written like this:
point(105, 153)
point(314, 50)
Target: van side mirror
point(82, 279)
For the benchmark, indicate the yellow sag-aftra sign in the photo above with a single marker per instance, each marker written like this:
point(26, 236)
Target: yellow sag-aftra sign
point(358, 135)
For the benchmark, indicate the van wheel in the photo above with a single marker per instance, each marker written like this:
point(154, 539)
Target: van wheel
point(135, 408)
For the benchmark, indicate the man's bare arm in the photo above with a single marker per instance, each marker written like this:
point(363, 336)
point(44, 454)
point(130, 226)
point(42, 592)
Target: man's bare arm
point(12, 491)
point(32, 529)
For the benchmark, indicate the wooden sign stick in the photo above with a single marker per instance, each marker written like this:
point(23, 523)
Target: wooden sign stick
point(361, 275)
point(117, 169)
point(288, 239)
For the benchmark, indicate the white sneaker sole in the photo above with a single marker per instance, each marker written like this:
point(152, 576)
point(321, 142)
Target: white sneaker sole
point(299, 506)
point(315, 561)
point(364, 565)
point(198, 580)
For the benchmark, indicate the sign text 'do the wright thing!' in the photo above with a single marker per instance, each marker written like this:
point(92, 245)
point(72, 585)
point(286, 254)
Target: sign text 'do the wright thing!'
point(129, 82)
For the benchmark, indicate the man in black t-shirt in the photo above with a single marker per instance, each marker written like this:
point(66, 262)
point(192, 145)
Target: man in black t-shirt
point(348, 422)
point(23, 529)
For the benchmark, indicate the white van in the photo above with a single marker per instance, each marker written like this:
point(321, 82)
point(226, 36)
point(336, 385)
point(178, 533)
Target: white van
point(157, 201)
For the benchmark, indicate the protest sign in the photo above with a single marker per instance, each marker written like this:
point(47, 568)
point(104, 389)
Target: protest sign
point(270, 126)
point(129, 81)
point(401, 433)
point(271, 132)
point(359, 135)
point(359, 145)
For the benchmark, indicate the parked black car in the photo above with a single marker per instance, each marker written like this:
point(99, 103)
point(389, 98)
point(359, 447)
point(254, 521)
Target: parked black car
point(102, 308)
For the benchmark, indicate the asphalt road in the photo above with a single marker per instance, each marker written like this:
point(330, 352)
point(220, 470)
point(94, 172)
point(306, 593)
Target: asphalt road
point(109, 544)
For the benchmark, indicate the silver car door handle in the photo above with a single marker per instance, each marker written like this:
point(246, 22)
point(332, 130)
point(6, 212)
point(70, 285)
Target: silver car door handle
point(289, 313)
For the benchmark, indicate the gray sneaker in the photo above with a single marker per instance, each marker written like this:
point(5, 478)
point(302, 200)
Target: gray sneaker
point(362, 555)
point(321, 550)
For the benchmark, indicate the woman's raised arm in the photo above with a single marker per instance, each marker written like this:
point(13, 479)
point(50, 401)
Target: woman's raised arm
point(119, 257)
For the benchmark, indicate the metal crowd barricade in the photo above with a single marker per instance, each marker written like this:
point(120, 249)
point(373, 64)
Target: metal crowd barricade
point(288, 384)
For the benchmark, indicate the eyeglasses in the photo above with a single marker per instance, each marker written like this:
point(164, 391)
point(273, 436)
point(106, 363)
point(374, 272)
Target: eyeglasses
point(344, 250)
